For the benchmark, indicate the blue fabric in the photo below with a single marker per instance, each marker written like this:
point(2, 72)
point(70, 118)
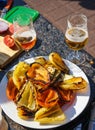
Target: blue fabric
point(3, 3)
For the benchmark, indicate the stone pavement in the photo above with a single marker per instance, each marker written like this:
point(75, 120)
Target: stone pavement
point(57, 11)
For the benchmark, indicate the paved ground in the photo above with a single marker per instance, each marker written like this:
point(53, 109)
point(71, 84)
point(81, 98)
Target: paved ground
point(57, 11)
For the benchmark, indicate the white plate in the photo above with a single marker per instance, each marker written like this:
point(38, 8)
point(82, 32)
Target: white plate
point(71, 112)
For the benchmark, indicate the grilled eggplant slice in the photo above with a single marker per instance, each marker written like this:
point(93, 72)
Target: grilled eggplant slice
point(37, 72)
point(53, 72)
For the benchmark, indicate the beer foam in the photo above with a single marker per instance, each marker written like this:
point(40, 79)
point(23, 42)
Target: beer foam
point(76, 34)
point(28, 34)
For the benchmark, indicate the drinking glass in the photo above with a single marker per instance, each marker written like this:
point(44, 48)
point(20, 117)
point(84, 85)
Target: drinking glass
point(24, 33)
point(76, 37)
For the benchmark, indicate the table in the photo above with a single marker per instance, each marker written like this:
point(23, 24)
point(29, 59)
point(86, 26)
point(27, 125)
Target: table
point(50, 39)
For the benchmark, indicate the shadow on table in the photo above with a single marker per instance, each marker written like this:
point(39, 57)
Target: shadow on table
point(88, 4)
point(92, 86)
point(38, 43)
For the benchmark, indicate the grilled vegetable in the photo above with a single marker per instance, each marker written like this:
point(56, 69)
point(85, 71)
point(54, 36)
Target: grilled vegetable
point(38, 73)
point(75, 83)
point(25, 113)
point(52, 115)
point(53, 72)
point(41, 60)
point(44, 112)
point(9, 74)
point(55, 118)
point(47, 98)
point(11, 89)
point(65, 95)
point(28, 97)
point(57, 61)
point(19, 74)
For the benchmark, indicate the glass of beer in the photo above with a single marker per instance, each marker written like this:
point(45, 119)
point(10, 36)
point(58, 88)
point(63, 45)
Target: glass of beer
point(24, 33)
point(76, 37)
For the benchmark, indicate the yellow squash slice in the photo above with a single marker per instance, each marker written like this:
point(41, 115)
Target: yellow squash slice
point(75, 83)
point(52, 115)
point(57, 61)
point(19, 74)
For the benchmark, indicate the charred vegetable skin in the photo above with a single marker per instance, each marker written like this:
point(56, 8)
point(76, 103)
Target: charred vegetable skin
point(57, 61)
point(38, 73)
point(42, 85)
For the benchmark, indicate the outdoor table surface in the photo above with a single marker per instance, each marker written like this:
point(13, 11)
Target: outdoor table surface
point(50, 39)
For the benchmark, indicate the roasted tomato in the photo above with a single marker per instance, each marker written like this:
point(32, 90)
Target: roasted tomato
point(11, 28)
point(9, 41)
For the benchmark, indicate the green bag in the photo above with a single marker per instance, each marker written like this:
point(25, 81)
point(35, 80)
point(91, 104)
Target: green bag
point(19, 10)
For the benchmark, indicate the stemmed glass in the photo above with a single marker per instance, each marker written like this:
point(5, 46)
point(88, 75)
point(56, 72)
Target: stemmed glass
point(76, 37)
point(24, 33)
